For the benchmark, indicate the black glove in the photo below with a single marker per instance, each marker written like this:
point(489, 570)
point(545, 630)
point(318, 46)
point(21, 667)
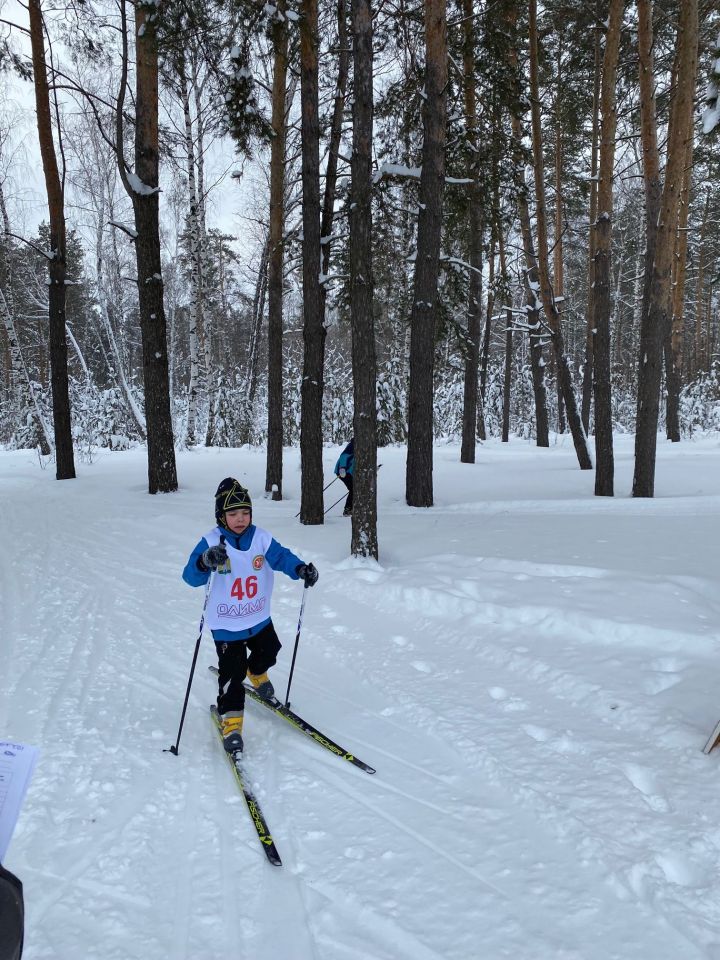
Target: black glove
point(214, 557)
point(308, 573)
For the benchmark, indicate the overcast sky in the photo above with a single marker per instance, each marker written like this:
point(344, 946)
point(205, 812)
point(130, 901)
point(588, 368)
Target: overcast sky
point(24, 185)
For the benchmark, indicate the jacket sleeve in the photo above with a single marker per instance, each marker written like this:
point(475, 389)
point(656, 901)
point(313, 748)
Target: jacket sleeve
point(282, 559)
point(192, 573)
point(346, 460)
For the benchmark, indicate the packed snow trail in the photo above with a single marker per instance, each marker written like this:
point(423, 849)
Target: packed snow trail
point(533, 679)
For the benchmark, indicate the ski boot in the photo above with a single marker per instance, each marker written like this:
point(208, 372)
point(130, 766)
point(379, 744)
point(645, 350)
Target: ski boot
point(262, 685)
point(232, 724)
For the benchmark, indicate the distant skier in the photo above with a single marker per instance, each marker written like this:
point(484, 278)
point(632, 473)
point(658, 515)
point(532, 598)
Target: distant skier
point(344, 469)
point(238, 612)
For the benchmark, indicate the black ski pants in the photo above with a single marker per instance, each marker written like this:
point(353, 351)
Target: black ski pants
point(236, 657)
point(348, 481)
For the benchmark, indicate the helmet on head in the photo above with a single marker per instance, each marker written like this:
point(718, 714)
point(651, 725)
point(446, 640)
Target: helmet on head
point(230, 495)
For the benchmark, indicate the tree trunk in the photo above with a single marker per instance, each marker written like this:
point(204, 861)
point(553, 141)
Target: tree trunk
point(274, 461)
point(257, 314)
point(648, 137)
point(329, 196)
point(552, 314)
point(162, 475)
point(674, 355)
point(485, 354)
point(311, 506)
point(605, 461)
point(419, 468)
point(195, 389)
point(364, 517)
point(531, 281)
point(508, 376)
point(699, 289)
point(657, 324)
point(474, 307)
point(64, 461)
point(594, 151)
point(558, 260)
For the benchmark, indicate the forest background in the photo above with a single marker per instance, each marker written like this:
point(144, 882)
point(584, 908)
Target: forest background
point(531, 188)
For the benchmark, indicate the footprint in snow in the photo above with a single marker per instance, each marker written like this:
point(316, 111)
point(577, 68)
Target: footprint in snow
point(515, 705)
point(354, 853)
point(562, 743)
point(668, 664)
point(681, 871)
point(566, 744)
point(422, 666)
point(509, 704)
point(644, 780)
point(656, 684)
point(537, 733)
point(665, 673)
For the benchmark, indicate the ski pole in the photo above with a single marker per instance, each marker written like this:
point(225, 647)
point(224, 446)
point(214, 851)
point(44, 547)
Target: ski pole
point(323, 490)
point(297, 641)
point(174, 749)
point(343, 497)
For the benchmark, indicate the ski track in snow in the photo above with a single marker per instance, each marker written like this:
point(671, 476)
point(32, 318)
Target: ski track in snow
point(535, 703)
point(499, 759)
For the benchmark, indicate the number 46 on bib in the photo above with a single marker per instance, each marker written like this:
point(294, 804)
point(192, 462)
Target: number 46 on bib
point(242, 588)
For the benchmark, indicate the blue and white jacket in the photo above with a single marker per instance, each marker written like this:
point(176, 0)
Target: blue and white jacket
point(278, 558)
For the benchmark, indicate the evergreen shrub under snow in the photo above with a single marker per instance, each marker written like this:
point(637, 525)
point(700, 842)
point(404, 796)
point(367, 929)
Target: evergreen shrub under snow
point(101, 418)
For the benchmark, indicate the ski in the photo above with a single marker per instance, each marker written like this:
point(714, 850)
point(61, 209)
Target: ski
point(256, 814)
point(278, 707)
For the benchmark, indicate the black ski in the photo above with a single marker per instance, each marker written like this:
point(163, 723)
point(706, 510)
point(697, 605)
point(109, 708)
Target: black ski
point(256, 814)
point(278, 707)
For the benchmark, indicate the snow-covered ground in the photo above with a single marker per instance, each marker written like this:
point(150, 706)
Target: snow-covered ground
point(533, 671)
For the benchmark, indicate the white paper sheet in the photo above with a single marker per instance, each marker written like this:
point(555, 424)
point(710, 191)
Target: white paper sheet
point(17, 762)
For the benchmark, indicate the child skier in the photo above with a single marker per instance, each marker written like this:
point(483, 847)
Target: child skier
point(243, 557)
point(344, 469)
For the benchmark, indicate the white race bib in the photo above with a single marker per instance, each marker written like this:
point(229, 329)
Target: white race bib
point(240, 597)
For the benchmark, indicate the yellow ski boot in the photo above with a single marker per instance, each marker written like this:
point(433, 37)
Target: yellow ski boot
point(262, 685)
point(231, 725)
